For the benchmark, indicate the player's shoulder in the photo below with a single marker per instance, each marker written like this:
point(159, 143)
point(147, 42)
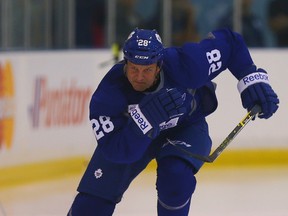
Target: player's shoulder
point(117, 71)
point(173, 52)
point(114, 78)
point(109, 92)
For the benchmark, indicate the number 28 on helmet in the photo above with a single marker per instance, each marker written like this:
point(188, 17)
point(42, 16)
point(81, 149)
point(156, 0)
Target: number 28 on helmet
point(143, 47)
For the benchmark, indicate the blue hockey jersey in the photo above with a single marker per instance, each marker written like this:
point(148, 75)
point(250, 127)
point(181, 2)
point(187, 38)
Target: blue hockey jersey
point(189, 68)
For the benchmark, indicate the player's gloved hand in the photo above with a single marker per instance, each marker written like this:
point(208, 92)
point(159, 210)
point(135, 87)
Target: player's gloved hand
point(157, 108)
point(255, 89)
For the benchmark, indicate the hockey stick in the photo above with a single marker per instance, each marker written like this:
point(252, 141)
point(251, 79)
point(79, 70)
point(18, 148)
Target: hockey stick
point(116, 54)
point(209, 159)
point(107, 63)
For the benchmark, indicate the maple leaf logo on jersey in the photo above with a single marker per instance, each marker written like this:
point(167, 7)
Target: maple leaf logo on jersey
point(98, 173)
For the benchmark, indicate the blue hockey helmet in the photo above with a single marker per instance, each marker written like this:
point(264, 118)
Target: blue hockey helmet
point(143, 47)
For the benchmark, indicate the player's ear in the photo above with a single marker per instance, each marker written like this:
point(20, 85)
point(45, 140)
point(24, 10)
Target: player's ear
point(159, 66)
point(158, 69)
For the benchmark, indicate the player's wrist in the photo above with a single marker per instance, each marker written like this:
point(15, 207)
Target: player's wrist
point(251, 79)
point(140, 120)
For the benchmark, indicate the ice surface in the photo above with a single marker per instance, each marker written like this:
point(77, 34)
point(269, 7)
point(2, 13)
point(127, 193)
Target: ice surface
point(230, 191)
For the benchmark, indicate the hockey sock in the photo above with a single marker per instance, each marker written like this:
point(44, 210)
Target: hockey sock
point(88, 205)
point(175, 184)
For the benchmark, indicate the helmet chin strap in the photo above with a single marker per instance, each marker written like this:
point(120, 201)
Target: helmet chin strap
point(125, 69)
point(159, 64)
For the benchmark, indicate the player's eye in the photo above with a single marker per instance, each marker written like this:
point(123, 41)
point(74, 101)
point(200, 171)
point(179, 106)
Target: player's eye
point(149, 70)
point(133, 69)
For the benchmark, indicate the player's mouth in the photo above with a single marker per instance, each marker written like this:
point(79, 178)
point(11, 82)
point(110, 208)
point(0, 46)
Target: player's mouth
point(139, 86)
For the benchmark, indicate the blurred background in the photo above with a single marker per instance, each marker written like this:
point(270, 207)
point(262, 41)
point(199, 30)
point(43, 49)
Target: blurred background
point(76, 24)
point(54, 53)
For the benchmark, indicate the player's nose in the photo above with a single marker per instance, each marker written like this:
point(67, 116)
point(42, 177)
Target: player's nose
point(140, 76)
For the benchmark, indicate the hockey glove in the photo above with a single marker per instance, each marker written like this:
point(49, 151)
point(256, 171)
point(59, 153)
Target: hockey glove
point(255, 89)
point(156, 109)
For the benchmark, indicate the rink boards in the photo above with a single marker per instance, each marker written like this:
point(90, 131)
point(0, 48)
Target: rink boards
point(45, 132)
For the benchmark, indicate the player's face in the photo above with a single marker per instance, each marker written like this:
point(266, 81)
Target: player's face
point(141, 77)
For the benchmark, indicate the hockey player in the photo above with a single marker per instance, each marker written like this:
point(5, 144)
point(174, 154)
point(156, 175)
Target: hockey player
point(156, 94)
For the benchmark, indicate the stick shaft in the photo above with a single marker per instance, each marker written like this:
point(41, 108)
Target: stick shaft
point(209, 159)
point(250, 115)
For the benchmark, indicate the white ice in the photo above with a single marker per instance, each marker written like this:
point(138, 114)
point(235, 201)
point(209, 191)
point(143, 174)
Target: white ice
point(222, 191)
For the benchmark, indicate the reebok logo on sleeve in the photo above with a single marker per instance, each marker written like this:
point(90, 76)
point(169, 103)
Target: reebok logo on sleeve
point(140, 120)
point(251, 79)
